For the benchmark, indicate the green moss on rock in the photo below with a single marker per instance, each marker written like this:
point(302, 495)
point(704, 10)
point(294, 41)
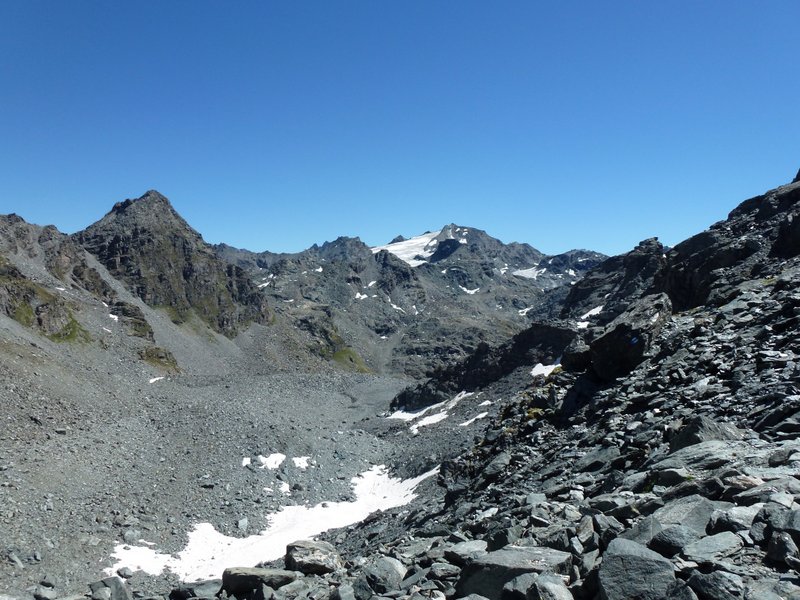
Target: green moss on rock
point(347, 357)
point(160, 358)
point(72, 332)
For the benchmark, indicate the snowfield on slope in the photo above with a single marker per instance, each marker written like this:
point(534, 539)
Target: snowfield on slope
point(431, 419)
point(413, 251)
point(209, 552)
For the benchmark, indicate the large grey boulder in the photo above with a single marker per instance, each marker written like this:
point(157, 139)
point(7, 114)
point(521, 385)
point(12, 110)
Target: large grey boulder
point(241, 581)
point(738, 518)
point(668, 542)
point(488, 574)
point(198, 589)
point(630, 570)
point(718, 585)
point(312, 558)
point(713, 547)
point(702, 429)
point(110, 588)
point(343, 592)
point(459, 554)
point(693, 512)
point(705, 455)
point(385, 574)
point(781, 546)
point(532, 586)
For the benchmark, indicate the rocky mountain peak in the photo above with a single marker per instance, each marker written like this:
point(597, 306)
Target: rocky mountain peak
point(147, 244)
point(151, 211)
point(12, 218)
point(796, 177)
point(342, 248)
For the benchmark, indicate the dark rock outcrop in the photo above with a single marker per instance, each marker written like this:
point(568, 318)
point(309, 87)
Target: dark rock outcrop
point(616, 282)
point(629, 337)
point(707, 267)
point(539, 343)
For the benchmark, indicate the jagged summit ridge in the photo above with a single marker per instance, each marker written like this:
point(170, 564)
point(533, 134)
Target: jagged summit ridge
point(151, 197)
point(152, 210)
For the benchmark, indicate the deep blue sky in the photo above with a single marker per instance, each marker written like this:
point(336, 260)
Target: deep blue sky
point(277, 125)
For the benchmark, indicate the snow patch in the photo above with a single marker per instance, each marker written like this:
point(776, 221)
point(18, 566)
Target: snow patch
point(154, 379)
point(583, 325)
point(209, 552)
point(301, 462)
point(360, 296)
point(543, 370)
point(246, 461)
point(318, 270)
point(425, 421)
point(532, 273)
point(485, 403)
point(371, 283)
point(448, 405)
point(523, 312)
point(470, 292)
point(273, 461)
point(410, 416)
point(113, 317)
point(440, 416)
point(595, 311)
point(473, 419)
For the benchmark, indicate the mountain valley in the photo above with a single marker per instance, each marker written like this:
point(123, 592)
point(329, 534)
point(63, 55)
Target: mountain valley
point(463, 417)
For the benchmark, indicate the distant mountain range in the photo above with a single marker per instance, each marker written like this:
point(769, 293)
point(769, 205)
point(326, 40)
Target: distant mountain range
point(408, 307)
point(412, 304)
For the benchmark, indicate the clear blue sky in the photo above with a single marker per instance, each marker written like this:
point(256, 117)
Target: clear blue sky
point(275, 125)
